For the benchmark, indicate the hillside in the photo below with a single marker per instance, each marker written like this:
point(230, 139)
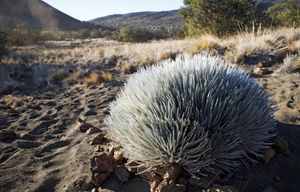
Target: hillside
point(154, 20)
point(36, 14)
point(149, 20)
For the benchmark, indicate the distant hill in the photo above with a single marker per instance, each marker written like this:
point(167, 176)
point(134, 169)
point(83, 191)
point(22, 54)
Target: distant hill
point(148, 20)
point(36, 14)
point(155, 20)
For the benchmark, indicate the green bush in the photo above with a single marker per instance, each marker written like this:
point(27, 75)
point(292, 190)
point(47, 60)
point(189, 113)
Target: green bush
point(98, 33)
point(133, 34)
point(21, 35)
point(220, 17)
point(286, 14)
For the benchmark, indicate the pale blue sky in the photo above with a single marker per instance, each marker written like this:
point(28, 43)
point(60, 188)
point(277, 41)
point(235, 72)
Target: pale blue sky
point(90, 9)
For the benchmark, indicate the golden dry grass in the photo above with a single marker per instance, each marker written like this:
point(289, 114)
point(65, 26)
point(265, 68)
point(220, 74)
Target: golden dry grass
point(167, 55)
point(93, 78)
point(244, 43)
point(206, 43)
point(106, 76)
point(128, 57)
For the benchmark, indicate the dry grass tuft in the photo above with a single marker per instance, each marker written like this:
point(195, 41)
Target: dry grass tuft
point(12, 102)
point(290, 63)
point(93, 78)
point(167, 56)
point(206, 43)
point(256, 47)
point(147, 62)
point(106, 76)
point(125, 67)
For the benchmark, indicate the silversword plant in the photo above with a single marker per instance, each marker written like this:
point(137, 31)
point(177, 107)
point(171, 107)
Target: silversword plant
point(198, 112)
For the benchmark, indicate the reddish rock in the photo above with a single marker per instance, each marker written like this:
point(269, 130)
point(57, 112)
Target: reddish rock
point(101, 168)
point(168, 175)
point(98, 139)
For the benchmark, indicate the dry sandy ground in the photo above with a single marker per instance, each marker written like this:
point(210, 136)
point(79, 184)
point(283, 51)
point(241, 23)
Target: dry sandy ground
point(50, 153)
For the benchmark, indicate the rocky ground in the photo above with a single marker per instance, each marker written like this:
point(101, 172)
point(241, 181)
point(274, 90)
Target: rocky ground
point(52, 138)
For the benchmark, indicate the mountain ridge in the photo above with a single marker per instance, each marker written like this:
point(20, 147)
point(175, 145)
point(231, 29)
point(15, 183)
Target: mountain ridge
point(37, 15)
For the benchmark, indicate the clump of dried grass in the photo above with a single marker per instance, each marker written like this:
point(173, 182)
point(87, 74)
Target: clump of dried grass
point(256, 46)
point(206, 43)
point(92, 78)
point(106, 75)
point(290, 63)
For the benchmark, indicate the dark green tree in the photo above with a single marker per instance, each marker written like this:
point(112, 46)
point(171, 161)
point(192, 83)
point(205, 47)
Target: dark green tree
point(220, 17)
point(286, 14)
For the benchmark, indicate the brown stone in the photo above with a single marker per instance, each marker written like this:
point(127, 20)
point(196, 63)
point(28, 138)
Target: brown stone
point(101, 168)
point(84, 127)
point(97, 140)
